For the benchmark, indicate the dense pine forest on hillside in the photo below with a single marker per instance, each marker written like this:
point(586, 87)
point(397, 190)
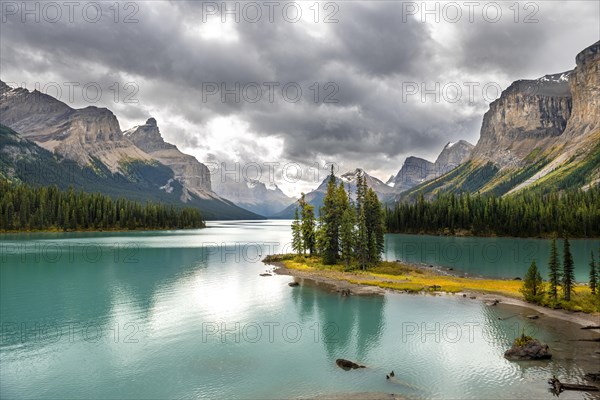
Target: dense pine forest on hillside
point(48, 208)
point(574, 213)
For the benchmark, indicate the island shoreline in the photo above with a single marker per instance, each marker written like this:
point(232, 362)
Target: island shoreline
point(340, 285)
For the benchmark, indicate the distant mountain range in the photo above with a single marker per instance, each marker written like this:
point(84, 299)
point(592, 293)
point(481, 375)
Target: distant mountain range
point(40, 132)
point(251, 194)
point(414, 171)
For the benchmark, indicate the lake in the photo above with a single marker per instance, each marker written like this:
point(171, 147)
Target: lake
point(496, 257)
point(185, 314)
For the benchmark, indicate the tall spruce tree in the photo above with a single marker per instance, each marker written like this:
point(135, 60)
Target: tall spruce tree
point(307, 214)
point(554, 271)
point(297, 234)
point(362, 238)
point(375, 226)
point(568, 274)
point(347, 225)
point(593, 274)
point(330, 220)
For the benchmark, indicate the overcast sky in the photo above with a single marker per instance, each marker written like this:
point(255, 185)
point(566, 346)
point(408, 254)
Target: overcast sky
point(361, 67)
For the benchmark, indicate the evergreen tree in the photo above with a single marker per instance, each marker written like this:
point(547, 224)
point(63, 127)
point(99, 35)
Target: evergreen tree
point(593, 274)
point(362, 237)
point(330, 219)
point(374, 226)
point(297, 234)
point(347, 225)
point(554, 271)
point(568, 271)
point(533, 285)
point(307, 226)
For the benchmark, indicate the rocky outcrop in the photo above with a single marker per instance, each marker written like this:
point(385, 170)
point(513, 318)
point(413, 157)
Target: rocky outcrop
point(194, 175)
point(527, 349)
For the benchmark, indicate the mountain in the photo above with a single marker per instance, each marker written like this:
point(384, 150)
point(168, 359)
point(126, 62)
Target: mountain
point(90, 142)
point(452, 155)
point(84, 135)
point(194, 175)
point(541, 135)
point(416, 170)
point(252, 195)
point(315, 198)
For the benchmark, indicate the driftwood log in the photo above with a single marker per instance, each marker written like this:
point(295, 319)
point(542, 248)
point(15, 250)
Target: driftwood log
point(559, 387)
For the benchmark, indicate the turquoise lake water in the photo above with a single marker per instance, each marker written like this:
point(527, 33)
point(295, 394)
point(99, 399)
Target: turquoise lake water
point(488, 256)
point(185, 314)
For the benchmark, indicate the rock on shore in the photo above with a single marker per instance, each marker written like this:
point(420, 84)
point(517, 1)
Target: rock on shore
point(530, 350)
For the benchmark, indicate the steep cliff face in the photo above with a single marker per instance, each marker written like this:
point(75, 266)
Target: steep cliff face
point(194, 175)
point(528, 115)
point(585, 89)
point(84, 135)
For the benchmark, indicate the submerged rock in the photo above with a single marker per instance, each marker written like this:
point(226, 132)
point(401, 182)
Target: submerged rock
point(528, 349)
point(293, 284)
point(347, 364)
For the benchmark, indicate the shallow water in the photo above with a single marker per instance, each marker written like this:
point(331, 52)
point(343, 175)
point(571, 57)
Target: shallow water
point(182, 314)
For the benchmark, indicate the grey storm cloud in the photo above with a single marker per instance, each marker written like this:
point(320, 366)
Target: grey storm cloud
point(369, 54)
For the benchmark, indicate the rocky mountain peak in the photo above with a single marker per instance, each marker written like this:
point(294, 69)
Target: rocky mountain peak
point(148, 137)
point(194, 175)
point(415, 170)
point(453, 154)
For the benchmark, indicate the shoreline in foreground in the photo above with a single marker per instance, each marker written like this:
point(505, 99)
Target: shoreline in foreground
point(355, 284)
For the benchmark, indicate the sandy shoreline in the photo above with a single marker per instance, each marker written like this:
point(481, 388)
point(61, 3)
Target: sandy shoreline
point(332, 283)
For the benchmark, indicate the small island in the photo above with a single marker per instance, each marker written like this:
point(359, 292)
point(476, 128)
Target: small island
point(343, 249)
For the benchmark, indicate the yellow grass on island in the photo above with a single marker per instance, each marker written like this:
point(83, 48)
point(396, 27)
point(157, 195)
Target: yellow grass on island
point(422, 279)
